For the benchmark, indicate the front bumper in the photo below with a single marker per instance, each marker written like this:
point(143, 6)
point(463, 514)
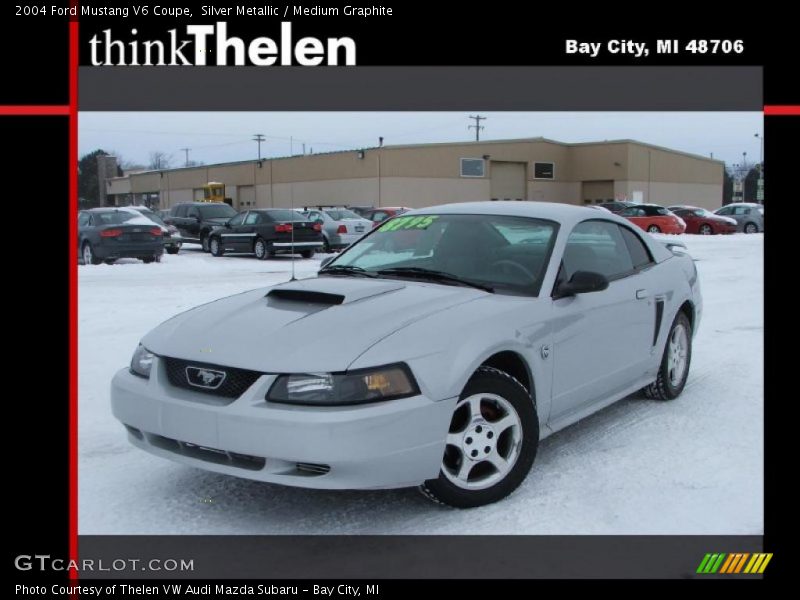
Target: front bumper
point(398, 443)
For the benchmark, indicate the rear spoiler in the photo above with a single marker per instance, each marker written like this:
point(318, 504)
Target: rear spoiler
point(672, 245)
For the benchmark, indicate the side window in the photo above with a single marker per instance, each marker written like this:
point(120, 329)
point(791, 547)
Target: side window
point(180, 210)
point(638, 251)
point(378, 216)
point(597, 246)
point(724, 211)
point(253, 218)
point(193, 212)
point(83, 219)
point(238, 219)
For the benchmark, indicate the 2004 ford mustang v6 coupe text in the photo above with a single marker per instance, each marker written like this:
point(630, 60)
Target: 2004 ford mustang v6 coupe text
point(437, 351)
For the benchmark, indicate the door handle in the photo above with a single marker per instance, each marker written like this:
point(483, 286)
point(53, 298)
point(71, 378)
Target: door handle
point(642, 294)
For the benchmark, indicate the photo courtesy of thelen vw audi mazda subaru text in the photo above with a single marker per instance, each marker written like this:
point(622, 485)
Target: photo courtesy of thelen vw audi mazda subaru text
point(437, 351)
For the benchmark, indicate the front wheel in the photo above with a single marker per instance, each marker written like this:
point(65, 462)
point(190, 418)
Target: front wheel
point(173, 249)
point(215, 246)
point(307, 254)
point(674, 369)
point(654, 229)
point(89, 257)
point(204, 242)
point(491, 443)
point(260, 249)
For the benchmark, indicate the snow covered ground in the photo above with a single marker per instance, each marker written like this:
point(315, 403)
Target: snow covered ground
point(692, 466)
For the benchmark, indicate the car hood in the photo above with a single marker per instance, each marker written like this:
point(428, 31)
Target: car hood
point(313, 325)
point(217, 221)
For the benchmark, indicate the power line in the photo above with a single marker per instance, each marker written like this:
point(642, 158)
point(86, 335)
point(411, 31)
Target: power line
point(477, 127)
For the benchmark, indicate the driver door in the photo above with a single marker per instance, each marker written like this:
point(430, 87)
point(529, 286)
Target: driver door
point(234, 237)
point(601, 340)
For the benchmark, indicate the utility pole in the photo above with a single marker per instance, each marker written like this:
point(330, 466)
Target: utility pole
point(760, 188)
point(477, 127)
point(186, 150)
point(259, 137)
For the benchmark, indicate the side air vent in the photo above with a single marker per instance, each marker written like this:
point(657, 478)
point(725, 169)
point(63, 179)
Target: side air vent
point(659, 316)
point(306, 296)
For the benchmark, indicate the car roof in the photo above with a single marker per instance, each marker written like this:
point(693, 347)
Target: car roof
point(567, 214)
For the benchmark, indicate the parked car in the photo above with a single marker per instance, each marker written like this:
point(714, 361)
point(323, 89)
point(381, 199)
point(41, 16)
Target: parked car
point(360, 210)
point(195, 220)
point(172, 237)
point(616, 206)
point(599, 207)
point(442, 367)
point(379, 215)
point(702, 221)
point(340, 226)
point(748, 215)
point(267, 232)
point(653, 218)
point(108, 234)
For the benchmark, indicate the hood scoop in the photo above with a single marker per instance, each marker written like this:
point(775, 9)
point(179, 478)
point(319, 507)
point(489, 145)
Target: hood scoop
point(306, 296)
point(330, 291)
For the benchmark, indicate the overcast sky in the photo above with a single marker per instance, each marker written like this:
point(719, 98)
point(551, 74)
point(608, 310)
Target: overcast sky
point(227, 136)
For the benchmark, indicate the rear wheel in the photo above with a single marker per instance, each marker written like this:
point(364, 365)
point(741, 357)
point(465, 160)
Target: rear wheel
point(260, 249)
point(89, 257)
point(705, 229)
point(215, 246)
point(491, 443)
point(654, 229)
point(173, 249)
point(307, 254)
point(751, 228)
point(674, 369)
point(326, 247)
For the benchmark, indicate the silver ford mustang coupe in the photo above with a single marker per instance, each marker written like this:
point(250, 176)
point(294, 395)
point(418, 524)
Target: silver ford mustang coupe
point(437, 351)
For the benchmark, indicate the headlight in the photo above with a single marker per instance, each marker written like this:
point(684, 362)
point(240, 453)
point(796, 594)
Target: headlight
point(142, 362)
point(335, 389)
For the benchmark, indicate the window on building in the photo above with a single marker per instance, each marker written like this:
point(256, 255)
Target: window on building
point(473, 167)
point(544, 170)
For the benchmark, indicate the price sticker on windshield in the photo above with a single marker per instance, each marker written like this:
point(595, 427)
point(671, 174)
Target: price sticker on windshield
point(404, 223)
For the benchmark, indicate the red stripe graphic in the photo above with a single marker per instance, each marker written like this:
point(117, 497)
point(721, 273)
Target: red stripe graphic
point(37, 110)
point(73, 290)
point(782, 109)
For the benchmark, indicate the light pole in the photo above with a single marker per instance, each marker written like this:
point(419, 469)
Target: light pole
point(760, 188)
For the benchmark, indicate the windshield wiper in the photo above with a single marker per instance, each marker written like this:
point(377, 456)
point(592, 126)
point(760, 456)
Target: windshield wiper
point(430, 274)
point(347, 270)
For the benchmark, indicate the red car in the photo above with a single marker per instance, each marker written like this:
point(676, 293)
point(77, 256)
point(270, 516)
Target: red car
point(654, 218)
point(379, 215)
point(704, 222)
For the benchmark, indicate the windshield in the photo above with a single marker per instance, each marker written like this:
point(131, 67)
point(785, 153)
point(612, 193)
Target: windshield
point(342, 214)
point(118, 217)
point(507, 254)
point(217, 211)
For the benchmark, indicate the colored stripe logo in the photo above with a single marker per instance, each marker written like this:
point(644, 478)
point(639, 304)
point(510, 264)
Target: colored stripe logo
point(731, 564)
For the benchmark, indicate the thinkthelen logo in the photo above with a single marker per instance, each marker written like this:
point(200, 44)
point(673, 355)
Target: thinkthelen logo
point(202, 45)
point(734, 563)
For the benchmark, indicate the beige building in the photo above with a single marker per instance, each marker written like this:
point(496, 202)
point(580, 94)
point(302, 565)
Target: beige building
point(535, 169)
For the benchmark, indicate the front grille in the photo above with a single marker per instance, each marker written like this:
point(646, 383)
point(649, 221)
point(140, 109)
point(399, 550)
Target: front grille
point(236, 382)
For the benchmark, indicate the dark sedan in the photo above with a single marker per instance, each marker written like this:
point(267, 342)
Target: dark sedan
point(107, 234)
point(267, 232)
point(616, 206)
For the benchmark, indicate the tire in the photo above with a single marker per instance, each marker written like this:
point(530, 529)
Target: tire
point(491, 397)
point(326, 247)
point(89, 257)
point(261, 249)
point(653, 229)
point(215, 247)
point(669, 384)
point(706, 229)
point(173, 249)
point(307, 254)
point(750, 228)
point(204, 242)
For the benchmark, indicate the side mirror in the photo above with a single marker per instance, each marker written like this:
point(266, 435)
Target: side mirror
point(228, 224)
point(582, 282)
point(325, 261)
point(197, 219)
